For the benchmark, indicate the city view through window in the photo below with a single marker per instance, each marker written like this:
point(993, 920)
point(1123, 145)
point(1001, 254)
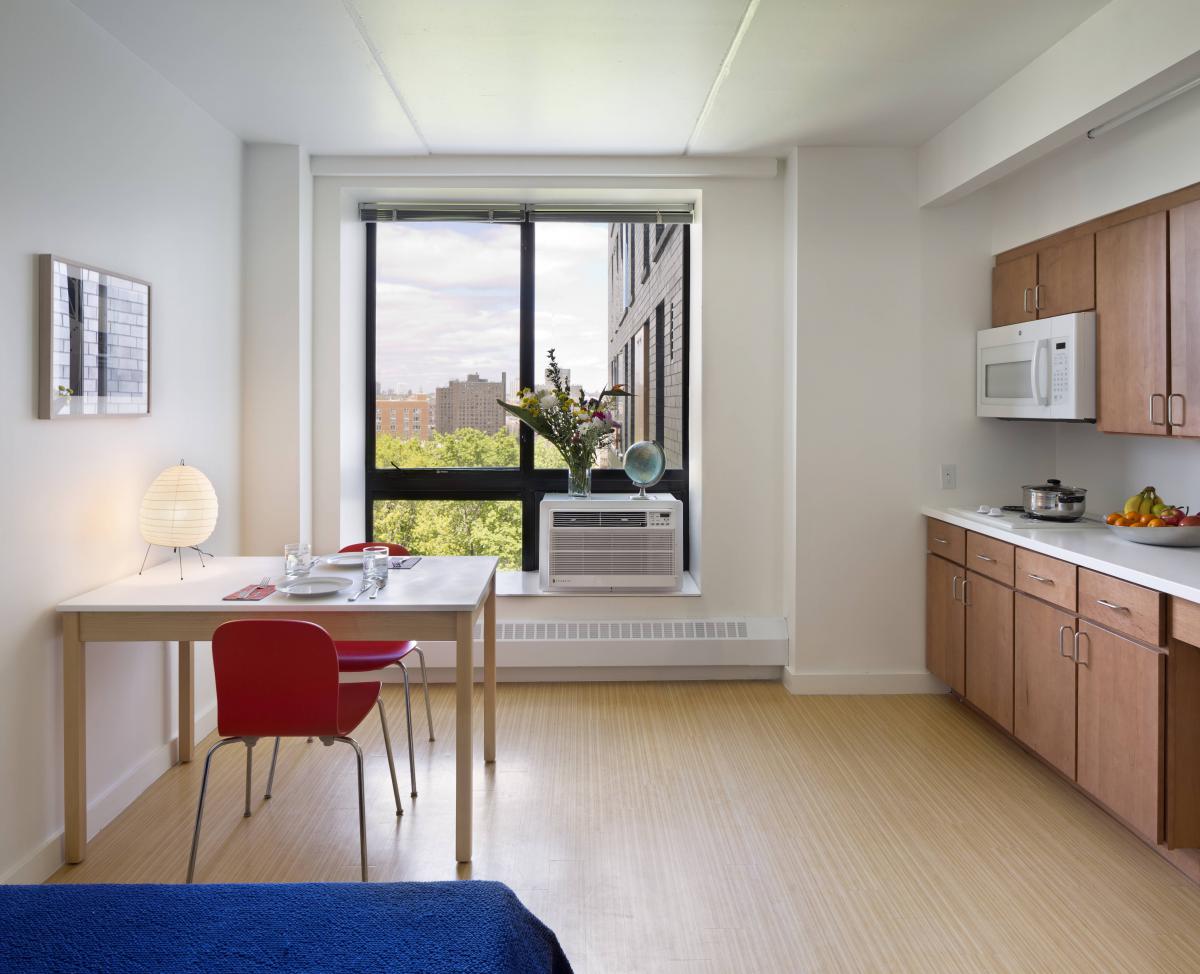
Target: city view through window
point(607, 299)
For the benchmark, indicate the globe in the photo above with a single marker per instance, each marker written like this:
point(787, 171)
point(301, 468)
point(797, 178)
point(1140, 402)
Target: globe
point(645, 463)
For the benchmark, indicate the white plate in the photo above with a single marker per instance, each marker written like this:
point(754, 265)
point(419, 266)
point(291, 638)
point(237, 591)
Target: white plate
point(1161, 537)
point(314, 586)
point(344, 559)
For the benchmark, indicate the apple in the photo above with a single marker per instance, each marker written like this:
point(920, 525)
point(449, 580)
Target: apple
point(1171, 521)
point(1190, 522)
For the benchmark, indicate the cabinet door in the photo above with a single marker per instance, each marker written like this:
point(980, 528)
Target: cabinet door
point(1131, 326)
point(1120, 726)
point(1044, 681)
point(1066, 278)
point(990, 648)
point(1012, 290)
point(944, 621)
point(1185, 320)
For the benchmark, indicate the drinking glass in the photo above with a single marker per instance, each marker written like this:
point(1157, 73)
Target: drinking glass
point(297, 559)
point(375, 565)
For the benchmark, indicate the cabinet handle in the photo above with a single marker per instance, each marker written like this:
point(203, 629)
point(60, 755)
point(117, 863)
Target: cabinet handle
point(1075, 653)
point(964, 592)
point(1171, 420)
point(1037, 297)
point(954, 580)
point(940, 541)
point(1039, 578)
point(1025, 301)
point(1111, 605)
point(985, 558)
point(1061, 648)
point(1153, 421)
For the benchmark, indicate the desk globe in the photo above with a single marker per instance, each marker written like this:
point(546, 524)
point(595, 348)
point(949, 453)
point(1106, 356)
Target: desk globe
point(645, 464)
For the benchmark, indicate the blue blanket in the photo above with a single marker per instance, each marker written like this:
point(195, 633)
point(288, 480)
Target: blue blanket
point(431, 928)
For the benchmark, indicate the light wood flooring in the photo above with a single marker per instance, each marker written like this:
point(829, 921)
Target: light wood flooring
point(710, 827)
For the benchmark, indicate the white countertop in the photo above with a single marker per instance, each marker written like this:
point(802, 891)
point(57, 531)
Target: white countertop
point(433, 585)
point(1175, 571)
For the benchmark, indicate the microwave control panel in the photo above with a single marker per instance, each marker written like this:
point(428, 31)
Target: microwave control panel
point(1060, 372)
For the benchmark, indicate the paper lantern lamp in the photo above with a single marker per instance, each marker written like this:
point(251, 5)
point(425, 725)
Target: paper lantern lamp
point(179, 511)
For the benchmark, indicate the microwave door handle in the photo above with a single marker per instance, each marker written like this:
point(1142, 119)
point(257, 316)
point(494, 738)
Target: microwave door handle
point(1039, 348)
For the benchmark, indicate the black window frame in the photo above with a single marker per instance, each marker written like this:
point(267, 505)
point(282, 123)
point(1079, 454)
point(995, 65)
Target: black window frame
point(523, 483)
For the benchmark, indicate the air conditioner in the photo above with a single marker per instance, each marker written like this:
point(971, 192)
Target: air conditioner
point(611, 544)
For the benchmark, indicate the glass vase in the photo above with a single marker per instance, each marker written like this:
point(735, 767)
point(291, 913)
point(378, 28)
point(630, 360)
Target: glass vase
point(579, 481)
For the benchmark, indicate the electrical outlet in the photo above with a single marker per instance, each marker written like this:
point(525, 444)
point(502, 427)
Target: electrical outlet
point(949, 474)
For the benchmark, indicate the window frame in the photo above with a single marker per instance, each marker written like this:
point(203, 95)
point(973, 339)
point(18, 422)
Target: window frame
point(524, 483)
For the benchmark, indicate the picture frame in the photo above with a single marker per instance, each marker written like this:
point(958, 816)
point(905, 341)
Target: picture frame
point(94, 341)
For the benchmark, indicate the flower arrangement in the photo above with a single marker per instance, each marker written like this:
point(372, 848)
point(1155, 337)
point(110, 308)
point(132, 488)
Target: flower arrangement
point(578, 429)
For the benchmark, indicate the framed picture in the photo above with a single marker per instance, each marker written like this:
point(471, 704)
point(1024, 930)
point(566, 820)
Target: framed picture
point(94, 341)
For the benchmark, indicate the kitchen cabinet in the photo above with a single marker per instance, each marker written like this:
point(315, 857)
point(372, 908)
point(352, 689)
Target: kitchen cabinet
point(989, 647)
point(945, 621)
point(1182, 732)
point(1044, 681)
point(1131, 326)
point(1056, 280)
point(1183, 398)
point(1120, 726)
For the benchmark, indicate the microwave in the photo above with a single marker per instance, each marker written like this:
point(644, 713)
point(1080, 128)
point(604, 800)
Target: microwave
point(1043, 369)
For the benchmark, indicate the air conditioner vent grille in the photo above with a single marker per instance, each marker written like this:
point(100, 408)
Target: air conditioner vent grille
point(624, 630)
point(600, 519)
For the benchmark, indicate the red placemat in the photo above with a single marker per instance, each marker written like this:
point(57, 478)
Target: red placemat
point(251, 593)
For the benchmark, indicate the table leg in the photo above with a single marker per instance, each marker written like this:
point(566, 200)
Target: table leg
point(187, 702)
point(74, 740)
point(489, 674)
point(463, 743)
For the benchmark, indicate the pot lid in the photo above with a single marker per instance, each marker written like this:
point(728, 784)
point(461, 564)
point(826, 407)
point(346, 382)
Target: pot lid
point(1053, 486)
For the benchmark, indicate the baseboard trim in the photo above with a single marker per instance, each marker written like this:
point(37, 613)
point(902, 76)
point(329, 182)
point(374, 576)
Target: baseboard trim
point(865, 683)
point(43, 861)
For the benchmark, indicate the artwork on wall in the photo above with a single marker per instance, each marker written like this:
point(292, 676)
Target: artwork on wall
point(94, 341)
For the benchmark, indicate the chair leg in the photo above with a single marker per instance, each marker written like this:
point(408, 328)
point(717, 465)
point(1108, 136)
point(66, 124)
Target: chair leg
point(271, 776)
point(387, 743)
point(200, 803)
point(362, 804)
point(425, 684)
point(250, 742)
point(412, 766)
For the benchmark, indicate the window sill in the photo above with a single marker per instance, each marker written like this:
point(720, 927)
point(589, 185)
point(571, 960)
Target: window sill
point(511, 584)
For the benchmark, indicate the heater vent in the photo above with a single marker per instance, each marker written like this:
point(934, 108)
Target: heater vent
point(621, 630)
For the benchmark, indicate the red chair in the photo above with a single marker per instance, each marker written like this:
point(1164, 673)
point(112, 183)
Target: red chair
point(365, 657)
point(279, 678)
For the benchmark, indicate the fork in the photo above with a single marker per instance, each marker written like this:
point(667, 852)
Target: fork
point(362, 588)
point(266, 580)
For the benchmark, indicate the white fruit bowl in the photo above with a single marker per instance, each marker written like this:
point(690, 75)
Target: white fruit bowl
point(1161, 537)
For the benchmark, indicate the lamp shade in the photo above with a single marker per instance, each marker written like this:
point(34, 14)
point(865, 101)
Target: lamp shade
point(180, 508)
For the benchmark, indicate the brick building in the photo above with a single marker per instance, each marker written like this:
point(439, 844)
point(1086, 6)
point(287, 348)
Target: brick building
point(645, 331)
point(410, 418)
point(470, 403)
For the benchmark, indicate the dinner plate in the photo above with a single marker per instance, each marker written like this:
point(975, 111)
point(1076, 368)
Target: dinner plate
point(344, 559)
point(313, 586)
point(1162, 537)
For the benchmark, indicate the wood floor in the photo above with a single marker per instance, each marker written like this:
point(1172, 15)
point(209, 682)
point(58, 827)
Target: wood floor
point(711, 827)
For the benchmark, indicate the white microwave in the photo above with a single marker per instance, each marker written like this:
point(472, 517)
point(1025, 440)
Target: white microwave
point(1043, 369)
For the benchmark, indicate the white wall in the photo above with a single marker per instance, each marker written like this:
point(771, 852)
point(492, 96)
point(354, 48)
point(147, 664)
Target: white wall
point(103, 162)
point(1153, 154)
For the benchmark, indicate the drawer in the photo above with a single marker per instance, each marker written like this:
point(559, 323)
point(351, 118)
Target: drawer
point(990, 557)
point(1185, 621)
point(946, 540)
point(1122, 606)
point(1046, 578)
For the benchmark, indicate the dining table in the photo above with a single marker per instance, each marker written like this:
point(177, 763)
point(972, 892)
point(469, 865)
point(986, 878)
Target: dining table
point(439, 598)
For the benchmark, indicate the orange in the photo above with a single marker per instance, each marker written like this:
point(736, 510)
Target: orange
point(1115, 518)
point(1125, 522)
point(1156, 522)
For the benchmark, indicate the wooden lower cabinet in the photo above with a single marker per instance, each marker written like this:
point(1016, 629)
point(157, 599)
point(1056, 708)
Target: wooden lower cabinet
point(945, 621)
point(989, 648)
point(1120, 726)
point(1044, 681)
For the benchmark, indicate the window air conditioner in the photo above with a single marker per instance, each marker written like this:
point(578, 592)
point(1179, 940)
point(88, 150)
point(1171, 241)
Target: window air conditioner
point(611, 544)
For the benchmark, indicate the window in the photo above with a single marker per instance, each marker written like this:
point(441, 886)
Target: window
point(461, 313)
point(645, 251)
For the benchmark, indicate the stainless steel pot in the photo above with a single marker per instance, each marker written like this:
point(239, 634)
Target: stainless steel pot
point(1052, 501)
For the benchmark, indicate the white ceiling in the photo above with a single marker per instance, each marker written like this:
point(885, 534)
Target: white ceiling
point(586, 76)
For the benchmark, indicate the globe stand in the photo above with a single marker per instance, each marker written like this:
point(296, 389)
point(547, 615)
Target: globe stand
point(645, 464)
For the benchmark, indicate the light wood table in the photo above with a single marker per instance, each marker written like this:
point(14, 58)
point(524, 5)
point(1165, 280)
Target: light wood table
point(440, 598)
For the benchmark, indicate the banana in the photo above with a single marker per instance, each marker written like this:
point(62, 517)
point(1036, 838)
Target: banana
point(1133, 505)
point(1147, 504)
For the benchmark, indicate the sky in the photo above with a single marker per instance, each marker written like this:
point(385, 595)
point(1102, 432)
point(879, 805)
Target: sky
point(448, 295)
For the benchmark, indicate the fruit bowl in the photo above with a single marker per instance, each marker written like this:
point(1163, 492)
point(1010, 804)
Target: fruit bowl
point(1178, 537)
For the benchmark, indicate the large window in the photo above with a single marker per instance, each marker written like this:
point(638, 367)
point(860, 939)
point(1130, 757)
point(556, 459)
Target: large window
point(462, 312)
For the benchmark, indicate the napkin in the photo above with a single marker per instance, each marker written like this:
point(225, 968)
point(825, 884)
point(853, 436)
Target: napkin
point(251, 593)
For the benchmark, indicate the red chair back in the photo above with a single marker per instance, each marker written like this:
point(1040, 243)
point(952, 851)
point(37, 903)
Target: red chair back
point(393, 549)
point(275, 678)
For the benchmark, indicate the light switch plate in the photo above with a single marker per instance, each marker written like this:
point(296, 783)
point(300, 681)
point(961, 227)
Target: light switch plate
point(949, 475)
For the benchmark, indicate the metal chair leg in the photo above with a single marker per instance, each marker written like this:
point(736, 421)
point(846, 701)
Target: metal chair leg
point(412, 766)
point(200, 803)
point(271, 776)
point(362, 804)
point(250, 742)
point(387, 743)
point(425, 684)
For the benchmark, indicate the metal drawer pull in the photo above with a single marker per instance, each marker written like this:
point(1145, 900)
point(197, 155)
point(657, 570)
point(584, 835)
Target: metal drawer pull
point(964, 592)
point(954, 580)
point(1075, 654)
point(1153, 421)
point(940, 541)
point(985, 558)
point(1039, 578)
point(1037, 297)
point(1025, 300)
point(1171, 420)
point(1061, 648)
point(1111, 605)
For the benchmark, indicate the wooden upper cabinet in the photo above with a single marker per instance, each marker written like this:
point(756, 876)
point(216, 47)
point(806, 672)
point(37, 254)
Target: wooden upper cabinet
point(944, 621)
point(1012, 290)
point(1184, 403)
point(1066, 278)
point(1120, 726)
point(989, 652)
point(1044, 681)
point(1131, 326)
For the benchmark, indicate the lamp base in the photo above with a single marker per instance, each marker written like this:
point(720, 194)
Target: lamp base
point(178, 551)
